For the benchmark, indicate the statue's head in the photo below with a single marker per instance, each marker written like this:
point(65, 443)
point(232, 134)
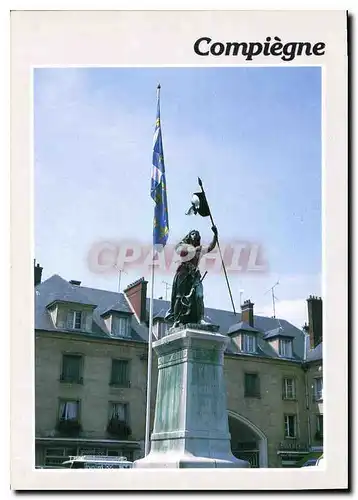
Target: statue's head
point(193, 238)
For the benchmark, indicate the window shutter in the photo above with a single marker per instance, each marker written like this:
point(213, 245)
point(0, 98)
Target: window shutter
point(243, 342)
point(86, 321)
point(62, 410)
point(257, 385)
point(71, 368)
point(252, 384)
point(61, 318)
point(69, 322)
point(74, 366)
point(121, 326)
point(65, 368)
point(88, 326)
point(247, 384)
point(114, 375)
point(114, 326)
point(83, 319)
point(128, 327)
point(120, 372)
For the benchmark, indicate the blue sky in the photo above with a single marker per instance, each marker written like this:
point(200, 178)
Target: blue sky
point(252, 134)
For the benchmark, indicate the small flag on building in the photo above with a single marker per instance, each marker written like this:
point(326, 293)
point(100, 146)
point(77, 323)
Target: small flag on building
point(158, 190)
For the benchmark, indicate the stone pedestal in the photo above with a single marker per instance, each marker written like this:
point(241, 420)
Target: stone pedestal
point(191, 423)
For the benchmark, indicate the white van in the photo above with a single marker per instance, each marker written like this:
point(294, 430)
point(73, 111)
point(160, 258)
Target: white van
point(314, 462)
point(97, 462)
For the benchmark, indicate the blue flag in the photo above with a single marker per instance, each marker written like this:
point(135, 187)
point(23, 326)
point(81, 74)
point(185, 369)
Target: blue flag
point(158, 190)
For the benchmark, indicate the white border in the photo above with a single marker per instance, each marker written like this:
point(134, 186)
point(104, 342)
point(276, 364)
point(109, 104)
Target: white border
point(28, 50)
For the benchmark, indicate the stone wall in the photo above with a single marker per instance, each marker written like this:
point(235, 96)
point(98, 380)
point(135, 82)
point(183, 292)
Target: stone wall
point(265, 412)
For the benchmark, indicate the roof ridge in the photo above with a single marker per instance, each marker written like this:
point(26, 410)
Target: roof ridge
point(100, 290)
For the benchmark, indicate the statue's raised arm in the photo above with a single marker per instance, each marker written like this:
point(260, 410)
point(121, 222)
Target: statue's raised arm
point(207, 249)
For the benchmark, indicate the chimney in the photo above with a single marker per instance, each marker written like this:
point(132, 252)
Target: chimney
point(314, 320)
point(37, 273)
point(136, 294)
point(75, 282)
point(247, 312)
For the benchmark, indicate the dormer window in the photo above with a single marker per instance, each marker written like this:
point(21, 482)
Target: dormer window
point(74, 320)
point(120, 326)
point(71, 315)
point(248, 343)
point(244, 337)
point(285, 348)
point(160, 329)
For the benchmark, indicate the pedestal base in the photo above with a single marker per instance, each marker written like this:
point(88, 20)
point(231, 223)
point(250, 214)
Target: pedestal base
point(186, 461)
point(191, 427)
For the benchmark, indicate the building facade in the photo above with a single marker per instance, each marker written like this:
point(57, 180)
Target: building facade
point(91, 351)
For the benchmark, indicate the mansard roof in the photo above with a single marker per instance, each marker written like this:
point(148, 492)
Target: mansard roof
point(58, 289)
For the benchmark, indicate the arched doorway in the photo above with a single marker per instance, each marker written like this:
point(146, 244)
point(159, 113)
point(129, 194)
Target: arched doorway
point(248, 442)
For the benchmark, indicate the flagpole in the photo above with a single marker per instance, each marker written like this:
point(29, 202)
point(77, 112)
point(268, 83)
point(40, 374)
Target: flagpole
point(149, 373)
point(222, 260)
point(150, 339)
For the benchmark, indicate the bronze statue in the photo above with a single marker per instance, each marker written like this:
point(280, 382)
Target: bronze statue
point(187, 300)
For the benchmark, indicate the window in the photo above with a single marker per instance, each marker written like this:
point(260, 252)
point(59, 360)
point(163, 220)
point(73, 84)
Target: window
point(68, 423)
point(285, 348)
point(120, 326)
point(252, 385)
point(289, 388)
point(248, 343)
point(71, 368)
point(319, 427)
point(69, 410)
point(120, 373)
point(318, 389)
point(119, 411)
point(74, 320)
point(54, 457)
point(92, 451)
point(118, 425)
point(290, 426)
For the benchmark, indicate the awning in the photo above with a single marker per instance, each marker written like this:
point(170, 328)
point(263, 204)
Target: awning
point(67, 441)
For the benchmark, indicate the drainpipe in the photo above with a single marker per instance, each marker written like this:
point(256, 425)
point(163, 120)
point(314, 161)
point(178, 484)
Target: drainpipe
point(308, 409)
point(306, 339)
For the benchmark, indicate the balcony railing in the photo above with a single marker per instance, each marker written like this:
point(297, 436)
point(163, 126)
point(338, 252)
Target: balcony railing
point(71, 379)
point(120, 383)
point(252, 394)
point(289, 395)
point(298, 446)
point(69, 427)
point(118, 428)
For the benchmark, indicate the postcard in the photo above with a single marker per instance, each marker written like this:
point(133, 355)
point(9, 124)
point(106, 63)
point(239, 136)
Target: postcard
point(179, 250)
